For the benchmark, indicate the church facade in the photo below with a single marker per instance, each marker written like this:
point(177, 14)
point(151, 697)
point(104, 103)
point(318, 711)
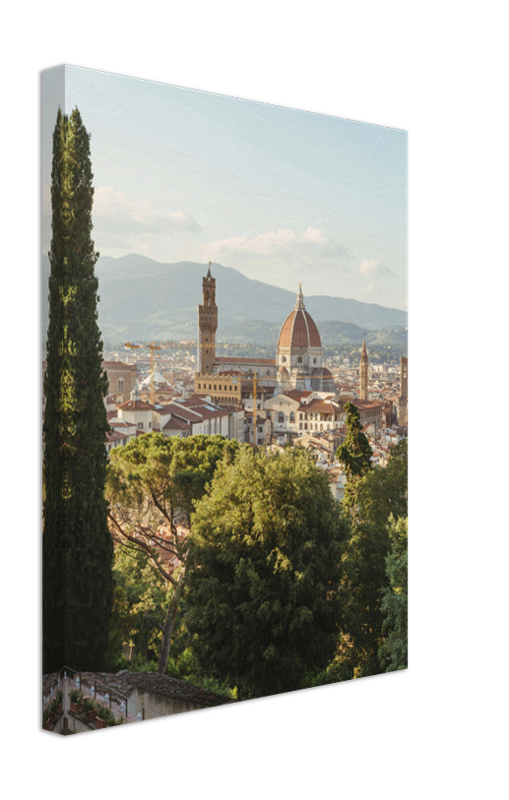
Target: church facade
point(298, 363)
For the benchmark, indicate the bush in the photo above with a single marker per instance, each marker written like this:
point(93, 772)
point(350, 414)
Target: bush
point(104, 713)
point(76, 696)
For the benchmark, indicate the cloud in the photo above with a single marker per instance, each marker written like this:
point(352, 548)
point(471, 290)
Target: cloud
point(114, 210)
point(371, 287)
point(311, 244)
point(371, 268)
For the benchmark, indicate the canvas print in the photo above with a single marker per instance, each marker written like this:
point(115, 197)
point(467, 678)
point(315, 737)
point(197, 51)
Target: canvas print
point(225, 400)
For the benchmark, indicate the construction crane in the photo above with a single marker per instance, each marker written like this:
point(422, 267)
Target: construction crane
point(183, 345)
point(152, 347)
point(254, 375)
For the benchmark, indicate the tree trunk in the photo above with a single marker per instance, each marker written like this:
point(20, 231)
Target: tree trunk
point(166, 642)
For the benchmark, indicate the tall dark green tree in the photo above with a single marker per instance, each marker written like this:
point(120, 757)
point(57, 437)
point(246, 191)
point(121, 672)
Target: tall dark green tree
point(77, 545)
point(355, 455)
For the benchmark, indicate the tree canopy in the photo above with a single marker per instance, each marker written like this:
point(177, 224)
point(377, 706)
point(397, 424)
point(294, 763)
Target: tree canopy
point(384, 490)
point(153, 485)
point(393, 652)
point(264, 569)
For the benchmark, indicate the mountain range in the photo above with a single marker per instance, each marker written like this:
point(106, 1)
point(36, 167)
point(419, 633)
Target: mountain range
point(147, 300)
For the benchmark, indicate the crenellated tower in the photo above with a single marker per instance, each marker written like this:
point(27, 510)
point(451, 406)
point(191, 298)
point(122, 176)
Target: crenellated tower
point(363, 370)
point(207, 326)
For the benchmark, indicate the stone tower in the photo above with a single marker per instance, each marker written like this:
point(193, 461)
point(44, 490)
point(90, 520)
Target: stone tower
point(363, 370)
point(403, 396)
point(207, 326)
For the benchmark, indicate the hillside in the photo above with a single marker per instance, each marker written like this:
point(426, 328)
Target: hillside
point(145, 299)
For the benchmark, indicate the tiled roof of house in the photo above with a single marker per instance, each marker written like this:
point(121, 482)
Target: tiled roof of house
point(161, 685)
point(181, 410)
point(175, 424)
point(114, 436)
point(136, 405)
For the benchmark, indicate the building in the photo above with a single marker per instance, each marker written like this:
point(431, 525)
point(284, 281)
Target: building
point(403, 395)
point(363, 372)
point(371, 413)
point(298, 363)
point(136, 412)
point(299, 353)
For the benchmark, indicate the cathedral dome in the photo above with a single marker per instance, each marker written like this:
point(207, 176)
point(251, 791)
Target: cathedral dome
point(299, 329)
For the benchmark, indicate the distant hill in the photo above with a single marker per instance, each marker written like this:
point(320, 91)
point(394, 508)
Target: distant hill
point(145, 299)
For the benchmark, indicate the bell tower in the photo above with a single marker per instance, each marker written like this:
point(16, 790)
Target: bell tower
point(207, 326)
point(363, 370)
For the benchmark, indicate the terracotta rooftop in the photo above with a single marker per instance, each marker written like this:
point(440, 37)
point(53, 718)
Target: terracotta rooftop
point(136, 405)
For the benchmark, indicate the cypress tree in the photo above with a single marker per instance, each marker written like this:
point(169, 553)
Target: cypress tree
point(355, 455)
point(77, 545)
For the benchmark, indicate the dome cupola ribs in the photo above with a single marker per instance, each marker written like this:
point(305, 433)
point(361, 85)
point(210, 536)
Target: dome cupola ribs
point(299, 329)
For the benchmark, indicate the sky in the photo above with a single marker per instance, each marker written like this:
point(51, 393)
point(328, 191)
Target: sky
point(282, 195)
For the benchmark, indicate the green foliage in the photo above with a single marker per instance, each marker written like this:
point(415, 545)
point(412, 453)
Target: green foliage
point(76, 696)
point(104, 713)
point(338, 670)
point(138, 589)
point(355, 455)
point(393, 653)
point(88, 705)
point(77, 546)
point(159, 476)
point(384, 490)
point(263, 572)
point(152, 483)
point(362, 586)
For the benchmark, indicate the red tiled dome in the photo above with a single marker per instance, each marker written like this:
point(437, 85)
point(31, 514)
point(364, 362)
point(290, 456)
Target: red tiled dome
point(299, 330)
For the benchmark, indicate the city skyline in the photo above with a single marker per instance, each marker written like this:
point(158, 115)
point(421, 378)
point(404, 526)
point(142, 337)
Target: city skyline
point(283, 196)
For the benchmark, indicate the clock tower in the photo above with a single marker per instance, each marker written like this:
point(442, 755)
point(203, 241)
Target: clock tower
point(207, 326)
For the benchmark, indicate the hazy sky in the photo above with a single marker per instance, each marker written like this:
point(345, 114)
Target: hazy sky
point(284, 196)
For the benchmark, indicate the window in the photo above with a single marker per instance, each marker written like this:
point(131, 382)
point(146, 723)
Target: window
point(283, 359)
point(120, 385)
point(140, 426)
point(299, 360)
point(199, 386)
point(292, 417)
point(149, 424)
point(300, 415)
point(314, 361)
point(281, 417)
